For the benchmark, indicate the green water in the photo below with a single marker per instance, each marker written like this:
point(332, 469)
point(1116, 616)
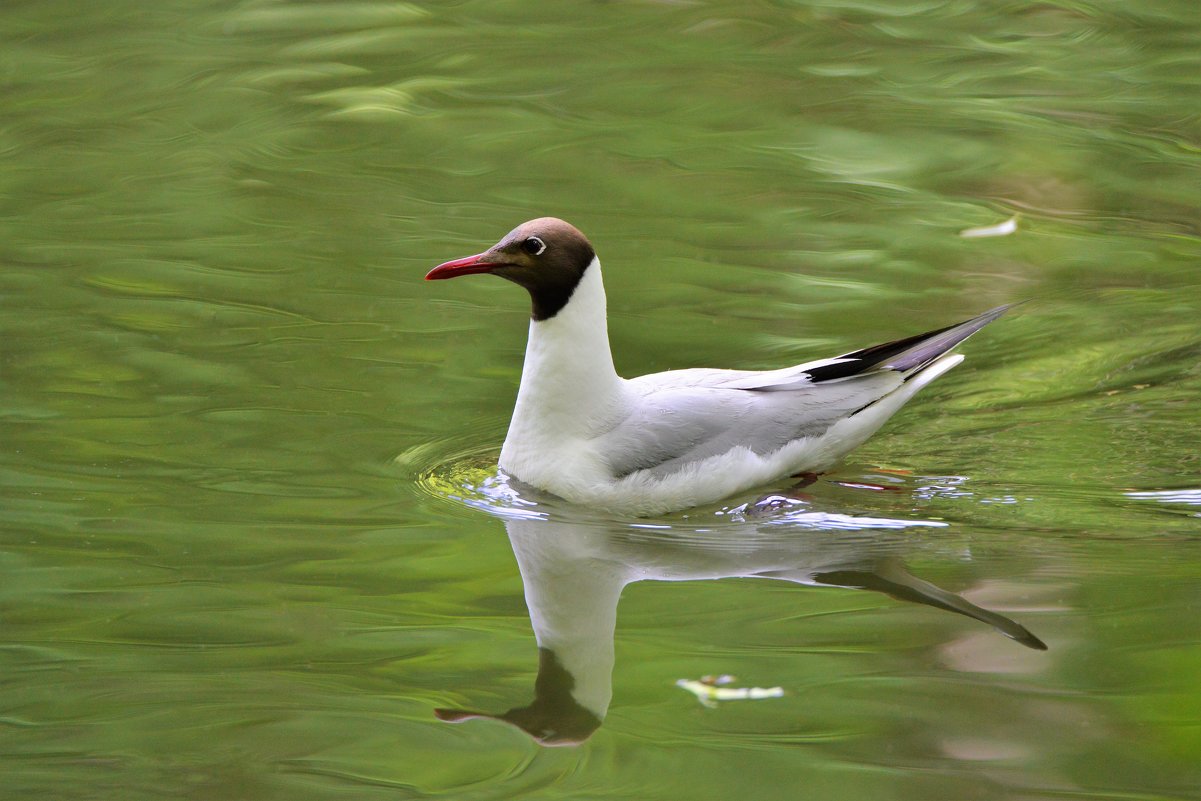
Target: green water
point(250, 533)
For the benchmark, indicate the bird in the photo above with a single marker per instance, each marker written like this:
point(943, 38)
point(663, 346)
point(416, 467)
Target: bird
point(668, 441)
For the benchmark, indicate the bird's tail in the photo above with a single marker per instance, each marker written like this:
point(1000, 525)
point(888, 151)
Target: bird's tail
point(906, 355)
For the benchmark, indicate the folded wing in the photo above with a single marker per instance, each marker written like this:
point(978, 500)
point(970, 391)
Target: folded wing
point(684, 416)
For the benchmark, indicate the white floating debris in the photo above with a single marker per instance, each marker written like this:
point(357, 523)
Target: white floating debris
point(1000, 229)
point(709, 690)
point(1191, 497)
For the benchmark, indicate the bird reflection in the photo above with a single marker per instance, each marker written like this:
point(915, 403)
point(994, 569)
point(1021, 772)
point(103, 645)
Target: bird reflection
point(574, 569)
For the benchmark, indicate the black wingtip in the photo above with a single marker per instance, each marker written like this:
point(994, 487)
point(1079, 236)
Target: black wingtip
point(929, 347)
point(910, 353)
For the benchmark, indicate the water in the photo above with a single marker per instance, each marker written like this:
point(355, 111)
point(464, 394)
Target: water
point(251, 535)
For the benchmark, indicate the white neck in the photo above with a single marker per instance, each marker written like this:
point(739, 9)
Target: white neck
point(569, 391)
point(568, 364)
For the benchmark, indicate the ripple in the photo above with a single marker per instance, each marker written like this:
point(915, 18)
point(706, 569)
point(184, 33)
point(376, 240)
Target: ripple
point(469, 476)
point(784, 510)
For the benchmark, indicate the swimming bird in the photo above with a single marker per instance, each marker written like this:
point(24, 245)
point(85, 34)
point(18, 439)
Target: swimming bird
point(667, 441)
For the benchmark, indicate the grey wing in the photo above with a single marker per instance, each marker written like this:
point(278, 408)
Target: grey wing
point(689, 415)
point(672, 427)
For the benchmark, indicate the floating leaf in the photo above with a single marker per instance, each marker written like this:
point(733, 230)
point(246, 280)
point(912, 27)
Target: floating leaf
point(1000, 229)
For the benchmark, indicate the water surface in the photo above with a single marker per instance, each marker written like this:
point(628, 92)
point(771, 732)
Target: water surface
point(249, 538)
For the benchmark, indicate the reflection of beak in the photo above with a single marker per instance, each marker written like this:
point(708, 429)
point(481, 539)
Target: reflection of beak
point(553, 718)
point(547, 731)
point(460, 715)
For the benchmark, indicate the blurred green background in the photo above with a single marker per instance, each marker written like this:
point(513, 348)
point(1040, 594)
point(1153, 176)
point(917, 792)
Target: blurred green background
point(236, 427)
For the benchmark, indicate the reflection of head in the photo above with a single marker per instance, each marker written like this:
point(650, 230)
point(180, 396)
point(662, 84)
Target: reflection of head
point(553, 718)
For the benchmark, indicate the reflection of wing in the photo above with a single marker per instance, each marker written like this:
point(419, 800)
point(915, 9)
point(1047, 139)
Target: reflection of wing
point(891, 578)
point(688, 415)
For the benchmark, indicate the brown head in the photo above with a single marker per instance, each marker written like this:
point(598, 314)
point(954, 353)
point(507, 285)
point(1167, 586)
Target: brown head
point(547, 256)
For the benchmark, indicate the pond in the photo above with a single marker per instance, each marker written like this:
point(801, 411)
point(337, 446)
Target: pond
point(253, 540)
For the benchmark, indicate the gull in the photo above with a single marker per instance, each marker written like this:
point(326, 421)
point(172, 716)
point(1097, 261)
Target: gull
point(667, 441)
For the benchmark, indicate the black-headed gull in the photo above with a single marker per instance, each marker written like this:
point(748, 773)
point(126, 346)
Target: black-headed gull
point(667, 441)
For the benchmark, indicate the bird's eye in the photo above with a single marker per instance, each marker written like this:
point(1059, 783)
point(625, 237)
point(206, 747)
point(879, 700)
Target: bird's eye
point(533, 246)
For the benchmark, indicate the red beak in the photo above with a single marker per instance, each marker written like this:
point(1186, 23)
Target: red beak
point(468, 265)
